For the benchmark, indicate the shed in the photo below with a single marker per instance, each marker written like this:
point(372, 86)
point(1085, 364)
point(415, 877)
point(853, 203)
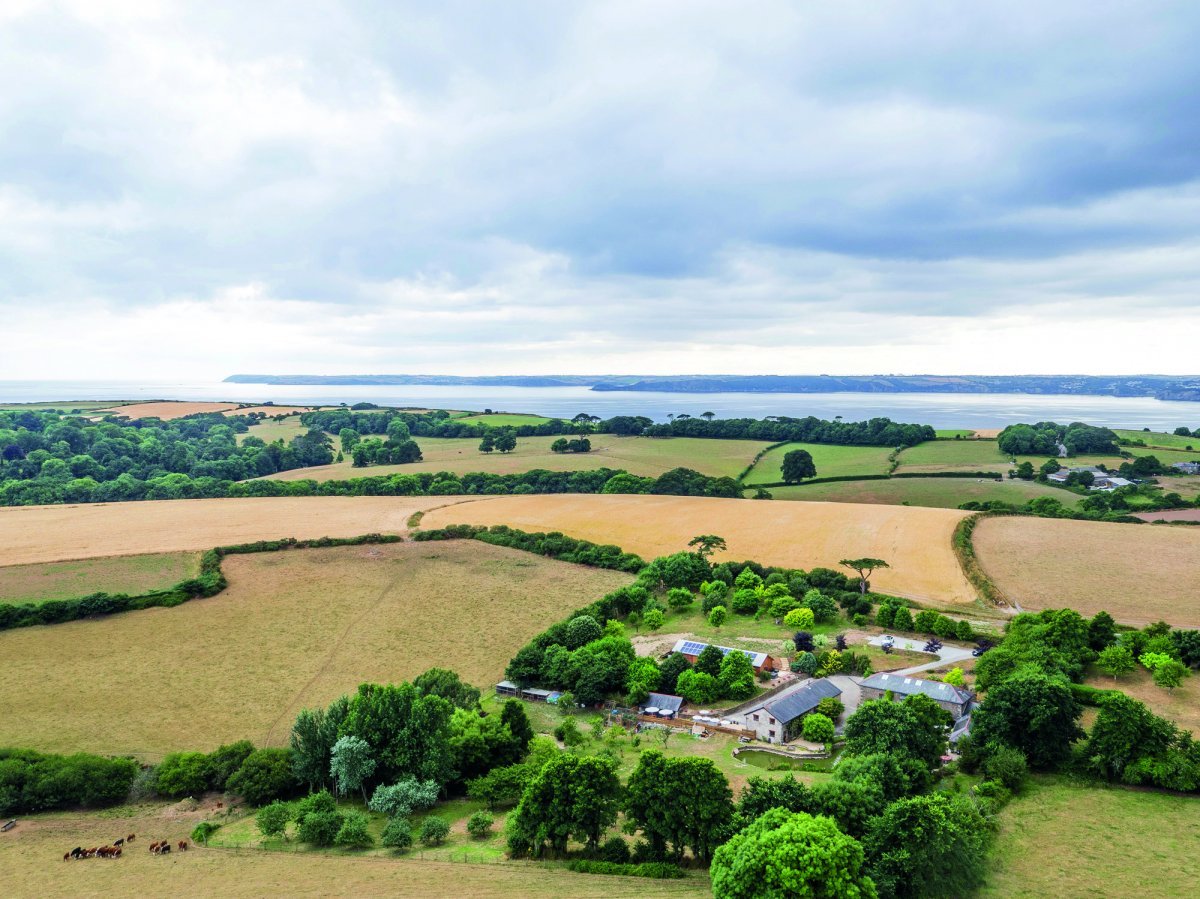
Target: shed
point(662, 702)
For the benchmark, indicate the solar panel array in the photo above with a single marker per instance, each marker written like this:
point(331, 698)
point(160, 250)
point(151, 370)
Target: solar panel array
point(692, 648)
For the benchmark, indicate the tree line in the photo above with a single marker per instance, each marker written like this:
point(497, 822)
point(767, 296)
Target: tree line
point(775, 429)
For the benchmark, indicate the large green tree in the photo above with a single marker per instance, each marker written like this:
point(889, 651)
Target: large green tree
point(783, 855)
point(864, 567)
point(408, 733)
point(1033, 712)
point(798, 465)
point(915, 728)
point(570, 798)
point(679, 804)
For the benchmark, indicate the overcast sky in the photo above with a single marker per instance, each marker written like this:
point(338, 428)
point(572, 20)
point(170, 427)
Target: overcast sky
point(196, 189)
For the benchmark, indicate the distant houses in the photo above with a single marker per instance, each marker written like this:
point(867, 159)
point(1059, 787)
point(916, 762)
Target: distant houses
point(691, 649)
point(780, 720)
point(1101, 479)
point(1187, 467)
point(953, 699)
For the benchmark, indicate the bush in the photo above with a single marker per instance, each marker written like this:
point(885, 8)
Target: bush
point(353, 833)
point(272, 819)
point(568, 733)
point(225, 761)
point(817, 728)
point(1006, 765)
point(182, 774)
point(33, 782)
point(321, 801)
point(398, 834)
point(658, 870)
point(402, 799)
point(831, 707)
point(480, 824)
point(265, 776)
point(202, 831)
point(320, 828)
point(614, 850)
point(801, 619)
point(434, 831)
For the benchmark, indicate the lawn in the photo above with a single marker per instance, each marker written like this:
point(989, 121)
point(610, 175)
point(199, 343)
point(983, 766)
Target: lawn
point(831, 461)
point(945, 493)
point(31, 853)
point(1137, 573)
point(1067, 840)
point(1181, 705)
point(118, 574)
point(646, 456)
point(953, 455)
point(294, 629)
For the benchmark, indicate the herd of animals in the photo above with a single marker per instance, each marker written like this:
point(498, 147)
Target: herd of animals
point(160, 847)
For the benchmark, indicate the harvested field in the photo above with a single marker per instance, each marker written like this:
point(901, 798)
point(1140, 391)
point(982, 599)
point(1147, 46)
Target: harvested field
point(167, 410)
point(987, 433)
point(272, 411)
point(32, 534)
point(1181, 705)
point(294, 629)
point(31, 865)
point(118, 574)
point(831, 461)
point(1072, 841)
point(803, 535)
point(646, 456)
point(1170, 515)
point(944, 493)
point(1136, 573)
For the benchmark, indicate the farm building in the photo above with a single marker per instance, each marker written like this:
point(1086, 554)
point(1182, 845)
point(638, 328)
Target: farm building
point(691, 649)
point(779, 720)
point(532, 694)
point(954, 700)
point(664, 705)
point(1187, 467)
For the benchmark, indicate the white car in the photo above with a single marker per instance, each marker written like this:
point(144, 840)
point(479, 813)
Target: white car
point(888, 641)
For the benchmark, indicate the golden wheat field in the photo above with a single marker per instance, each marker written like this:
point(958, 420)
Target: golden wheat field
point(915, 541)
point(167, 409)
point(295, 628)
point(31, 534)
point(31, 864)
point(1137, 573)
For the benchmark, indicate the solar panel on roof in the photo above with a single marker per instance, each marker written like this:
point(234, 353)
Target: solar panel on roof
point(691, 648)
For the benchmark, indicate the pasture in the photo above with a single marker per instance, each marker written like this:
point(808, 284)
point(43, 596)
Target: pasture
point(294, 629)
point(915, 541)
point(31, 865)
point(34, 534)
point(1158, 439)
point(1137, 573)
point(646, 456)
point(831, 461)
point(1072, 841)
point(117, 574)
point(269, 431)
point(953, 455)
point(943, 493)
point(502, 419)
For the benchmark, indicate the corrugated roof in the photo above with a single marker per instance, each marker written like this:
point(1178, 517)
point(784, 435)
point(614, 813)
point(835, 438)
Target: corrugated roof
point(910, 686)
point(663, 701)
point(693, 648)
point(802, 701)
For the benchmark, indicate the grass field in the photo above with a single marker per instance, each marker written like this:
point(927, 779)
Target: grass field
point(118, 574)
point(951, 433)
point(646, 456)
point(1072, 841)
point(32, 534)
point(945, 493)
point(294, 629)
point(1137, 573)
point(804, 535)
point(31, 865)
point(831, 461)
point(1181, 705)
point(269, 431)
point(82, 405)
point(503, 419)
point(1158, 439)
point(953, 455)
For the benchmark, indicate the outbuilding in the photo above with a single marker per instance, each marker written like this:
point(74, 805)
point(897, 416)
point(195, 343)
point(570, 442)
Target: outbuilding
point(691, 649)
point(953, 699)
point(779, 720)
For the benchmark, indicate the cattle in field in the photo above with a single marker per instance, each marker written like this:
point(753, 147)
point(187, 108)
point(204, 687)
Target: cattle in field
point(119, 842)
point(131, 838)
point(183, 845)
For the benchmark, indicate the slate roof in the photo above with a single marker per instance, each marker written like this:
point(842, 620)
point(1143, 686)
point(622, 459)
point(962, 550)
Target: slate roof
point(694, 648)
point(910, 686)
point(802, 701)
point(663, 702)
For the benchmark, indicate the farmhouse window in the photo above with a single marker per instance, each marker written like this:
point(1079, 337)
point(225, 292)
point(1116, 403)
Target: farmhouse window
point(772, 720)
point(755, 717)
point(771, 733)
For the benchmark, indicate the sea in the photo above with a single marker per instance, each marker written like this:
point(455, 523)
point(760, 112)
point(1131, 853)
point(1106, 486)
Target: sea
point(969, 410)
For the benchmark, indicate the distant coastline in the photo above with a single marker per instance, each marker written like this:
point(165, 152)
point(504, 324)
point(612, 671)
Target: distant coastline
point(1161, 387)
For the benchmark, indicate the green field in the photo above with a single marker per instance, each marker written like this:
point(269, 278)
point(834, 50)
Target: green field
point(503, 419)
point(831, 461)
point(953, 455)
point(269, 431)
point(82, 405)
point(118, 574)
point(1066, 840)
point(945, 493)
point(1157, 439)
point(647, 456)
point(951, 433)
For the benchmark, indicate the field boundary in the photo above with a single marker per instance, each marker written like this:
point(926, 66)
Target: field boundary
point(990, 475)
point(745, 472)
point(209, 582)
point(964, 550)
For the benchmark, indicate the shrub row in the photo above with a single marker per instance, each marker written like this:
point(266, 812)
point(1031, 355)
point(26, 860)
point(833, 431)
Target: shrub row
point(209, 582)
point(964, 549)
point(36, 782)
point(658, 870)
point(554, 545)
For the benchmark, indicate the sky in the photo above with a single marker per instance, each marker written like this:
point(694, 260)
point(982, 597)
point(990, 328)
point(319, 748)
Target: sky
point(197, 189)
